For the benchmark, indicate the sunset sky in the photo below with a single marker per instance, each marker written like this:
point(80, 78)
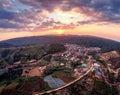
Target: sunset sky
point(19, 18)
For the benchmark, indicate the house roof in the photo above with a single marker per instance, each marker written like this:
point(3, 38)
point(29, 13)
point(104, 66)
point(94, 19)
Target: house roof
point(84, 65)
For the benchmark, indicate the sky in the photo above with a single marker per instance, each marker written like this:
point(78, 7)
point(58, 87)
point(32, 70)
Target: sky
point(20, 18)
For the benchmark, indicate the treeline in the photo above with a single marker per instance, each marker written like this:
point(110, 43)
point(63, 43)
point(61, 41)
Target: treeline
point(56, 47)
point(27, 53)
point(22, 54)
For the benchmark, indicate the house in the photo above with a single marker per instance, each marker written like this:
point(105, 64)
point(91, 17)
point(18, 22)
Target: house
point(62, 64)
point(42, 68)
point(96, 68)
point(75, 70)
point(96, 65)
point(76, 74)
point(84, 65)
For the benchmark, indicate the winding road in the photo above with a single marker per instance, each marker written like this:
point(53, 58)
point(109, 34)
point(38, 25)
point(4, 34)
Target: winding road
point(67, 85)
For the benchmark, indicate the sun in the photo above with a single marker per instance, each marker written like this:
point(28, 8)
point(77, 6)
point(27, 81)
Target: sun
point(60, 32)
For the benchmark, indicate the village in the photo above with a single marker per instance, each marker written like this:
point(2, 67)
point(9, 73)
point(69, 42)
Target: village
point(63, 67)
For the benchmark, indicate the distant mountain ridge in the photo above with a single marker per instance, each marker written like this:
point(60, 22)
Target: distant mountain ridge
point(5, 45)
point(88, 41)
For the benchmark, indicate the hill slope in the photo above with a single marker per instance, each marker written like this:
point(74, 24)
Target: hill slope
point(5, 45)
point(89, 41)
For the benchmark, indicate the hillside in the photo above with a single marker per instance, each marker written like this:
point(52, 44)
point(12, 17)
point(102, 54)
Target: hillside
point(88, 41)
point(43, 68)
point(5, 45)
point(23, 54)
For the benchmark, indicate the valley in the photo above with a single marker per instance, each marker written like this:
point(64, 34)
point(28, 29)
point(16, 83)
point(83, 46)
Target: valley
point(52, 68)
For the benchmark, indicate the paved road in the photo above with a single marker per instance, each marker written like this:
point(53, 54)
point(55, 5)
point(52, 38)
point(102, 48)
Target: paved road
point(69, 84)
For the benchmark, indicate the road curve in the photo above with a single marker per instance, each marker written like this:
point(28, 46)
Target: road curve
point(62, 87)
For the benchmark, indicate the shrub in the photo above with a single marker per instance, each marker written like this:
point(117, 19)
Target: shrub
point(54, 48)
point(54, 75)
point(32, 78)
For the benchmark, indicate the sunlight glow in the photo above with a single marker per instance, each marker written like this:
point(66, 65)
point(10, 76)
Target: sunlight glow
point(60, 32)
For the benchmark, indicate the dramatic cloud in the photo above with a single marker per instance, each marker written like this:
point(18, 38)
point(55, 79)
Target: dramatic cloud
point(48, 5)
point(104, 10)
point(11, 24)
point(34, 14)
point(51, 24)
